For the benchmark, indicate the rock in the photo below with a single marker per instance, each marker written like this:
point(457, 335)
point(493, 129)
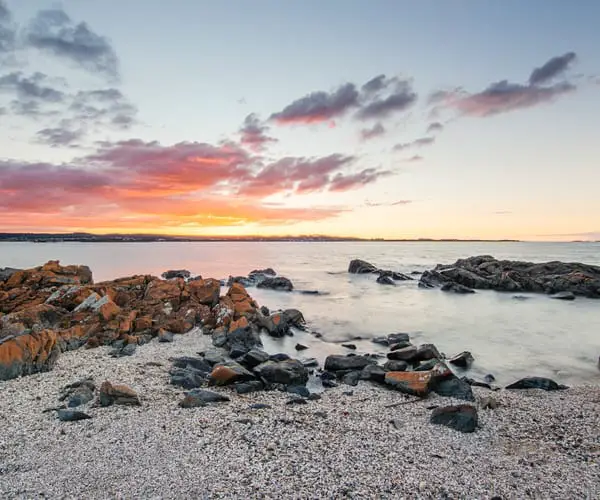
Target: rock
point(253, 358)
point(450, 386)
point(380, 341)
point(287, 372)
point(205, 291)
point(279, 283)
point(328, 384)
point(259, 406)
point(300, 390)
point(248, 387)
point(127, 350)
point(427, 351)
point(349, 346)
point(72, 415)
point(426, 365)
point(374, 373)
point(489, 378)
point(200, 397)
point(476, 383)
point(543, 383)
point(384, 279)
point(462, 418)
point(280, 356)
point(229, 373)
point(336, 362)
point(28, 353)
point(176, 273)
point(297, 400)
point(7, 272)
point(351, 378)
point(268, 272)
point(264, 310)
point(277, 325)
point(78, 393)
point(414, 383)
point(165, 336)
point(300, 347)
point(456, 288)
point(395, 366)
point(358, 266)
point(563, 296)
point(397, 338)
point(119, 394)
point(463, 360)
point(408, 354)
point(199, 364)
point(213, 357)
point(295, 318)
point(310, 362)
point(399, 345)
point(188, 378)
point(242, 338)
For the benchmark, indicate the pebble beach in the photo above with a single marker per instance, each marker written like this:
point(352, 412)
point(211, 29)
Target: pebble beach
point(354, 442)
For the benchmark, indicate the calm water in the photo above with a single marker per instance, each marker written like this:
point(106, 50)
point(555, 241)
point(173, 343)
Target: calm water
point(508, 337)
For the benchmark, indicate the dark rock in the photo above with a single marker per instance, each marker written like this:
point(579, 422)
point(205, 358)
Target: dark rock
point(380, 341)
point(118, 394)
point(396, 338)
point(310, 362)
point(395, 275)
point(78, 393)
point(476, 383)
point(280, 356)
point(337, 362)
point(265, 310)
point(427, 351)
point(563, 296)
point(259, 406)
point(543, 383)
point(201, 397)
point(384, 279)
point(426, 365)
point(301, 390)
point(166, 337)
point(313, 396)
point(456, 288)
point(72, 415)
point(351, 378)
point(187, 361)
point(188, 378)
point(349, 346)
point(176, 273)
point(237, 351)
point(279, 283)
point(300, 347)
point(297, 400)
point(451, 386)
point(253, 358)
point(348, 393)
point(7, 272)
point(248, 387)
point(242, 339)
point(267, 272)
point(288, 372)
point(399, 345)
point(462, 418)
point(489, 378)
point(408, 354)
point(395, 366)
point(374, 373)
point(328, 384)
point(128, 350)
point(327, 375)
point(358, 266)
point(463, 360)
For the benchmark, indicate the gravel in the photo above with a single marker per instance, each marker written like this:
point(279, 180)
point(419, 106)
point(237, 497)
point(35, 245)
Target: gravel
point(535, 444)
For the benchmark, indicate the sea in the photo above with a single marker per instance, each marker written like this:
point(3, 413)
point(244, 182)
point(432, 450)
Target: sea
point(509, 337)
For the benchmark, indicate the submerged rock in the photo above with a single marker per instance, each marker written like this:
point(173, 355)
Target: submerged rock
point(385, 280)
point(456, 288)
point(279, 283)
point(462, 360)
point(563, 296)
point(336, 362)
point(462, 418)
point(358, 266)
point(543, 383)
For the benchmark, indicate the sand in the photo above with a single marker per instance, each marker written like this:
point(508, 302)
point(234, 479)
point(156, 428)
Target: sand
point(534, 445)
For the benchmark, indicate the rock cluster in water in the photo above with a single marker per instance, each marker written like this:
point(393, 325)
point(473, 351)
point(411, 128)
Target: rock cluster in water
point(384, 277)
point(560, 279)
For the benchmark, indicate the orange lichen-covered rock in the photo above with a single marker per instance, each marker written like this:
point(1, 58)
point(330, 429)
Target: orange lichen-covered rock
point(239, 323)
point(50, 274)
point(126, 321)
point(40, 316)
point(243, 304)
point(161, 290)
point(69, 297)
point(29, 353)
point(142, 323)
point(106, 309)
point(415, 383)
point(205, 291)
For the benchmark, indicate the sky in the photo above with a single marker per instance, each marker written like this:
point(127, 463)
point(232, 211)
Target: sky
point(380, 119)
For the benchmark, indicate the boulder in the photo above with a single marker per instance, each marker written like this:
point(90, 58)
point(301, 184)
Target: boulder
point(563, 296)
point(395, 366)
point(176, 273)
point(408, 354)
point(462, 418)
point(462, 360)
point(248, 387)
point(28, 353)
point(374, 373)
point(188, 378)
point(276, 325)
point(279, 283)
point(358, 266)
point(543, 383)
point(336, 362)
point(78, 393)
point(287, 372)
point(426, 352)
point(200, 364)
point(200, 397)
point(254, 357)
point(205, 291)
point(230, 373)
point(351, 378)
point(7, 272)
point(384, 279)
point(71, 415)
point(414, 383)
point(451, 386)
point(456, 288)
point(118, 394)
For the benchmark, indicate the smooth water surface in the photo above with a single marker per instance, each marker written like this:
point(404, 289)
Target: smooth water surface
point(508, 337)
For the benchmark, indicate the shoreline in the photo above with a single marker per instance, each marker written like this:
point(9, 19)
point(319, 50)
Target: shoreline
point(340, 445)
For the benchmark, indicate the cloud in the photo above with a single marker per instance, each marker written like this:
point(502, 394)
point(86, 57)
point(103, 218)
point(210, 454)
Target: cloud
point(319, 106)
point(400, 99)
point(59, 136)
point(387, 204)
point(434, 128)
point(417, 143)
point(254, 133)
point(54, 32)
point(346, 182)
point(504, 96)
point(414, 158)
point(31, 88)
point(103, 107)
point(551, 69)
point(376, 130)
point(7, 29)
point(502, 212)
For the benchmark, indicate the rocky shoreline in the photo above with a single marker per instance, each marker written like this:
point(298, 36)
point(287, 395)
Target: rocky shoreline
point(55, 319)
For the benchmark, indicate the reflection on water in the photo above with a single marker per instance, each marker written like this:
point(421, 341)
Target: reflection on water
point(507, 336)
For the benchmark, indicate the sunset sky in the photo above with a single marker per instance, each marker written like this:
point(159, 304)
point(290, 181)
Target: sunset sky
point(381, 118)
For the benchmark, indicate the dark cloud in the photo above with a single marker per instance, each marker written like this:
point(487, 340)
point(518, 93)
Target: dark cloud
point(376, 130)
point(400, 99)
point(31, 88)
point(417, 143)
point(375, 85)
point(434, 127)
point(254, 133)
point(103, 107)
point(53, 31)
point(59, 136)
point(551, 69)
point(319, 106)
point(346, 182)
point(7, 29)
